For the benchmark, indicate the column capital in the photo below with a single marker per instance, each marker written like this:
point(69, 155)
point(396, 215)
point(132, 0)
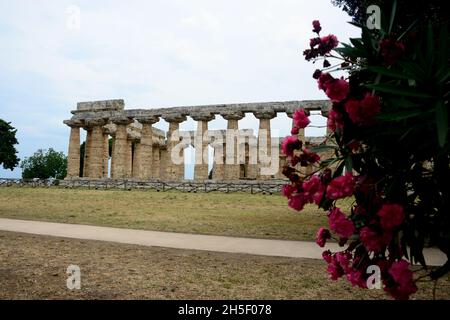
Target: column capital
point(73, 123)
point(264, 114)
point(202, 116)
point(148, 119)
point(233, 115)
point(89, 123)
point(177, 118)
point(121, 120)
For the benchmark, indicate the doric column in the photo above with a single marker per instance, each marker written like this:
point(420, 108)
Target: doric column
point(175, 151)
point(105, 153)
point(156, 163)
point(201, 142)
point(232, 164)
point(87, 151)
point(96, 148)
point(129, 158)
point(264, 141)
point(136, 158)
point(73, 155)
point(120, 155)
point(144, 149)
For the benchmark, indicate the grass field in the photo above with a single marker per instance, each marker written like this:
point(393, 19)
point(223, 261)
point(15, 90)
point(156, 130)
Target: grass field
point(33, 267)
point(234, 214)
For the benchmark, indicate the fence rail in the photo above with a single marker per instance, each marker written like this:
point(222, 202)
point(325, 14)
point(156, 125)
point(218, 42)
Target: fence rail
point(251, 186)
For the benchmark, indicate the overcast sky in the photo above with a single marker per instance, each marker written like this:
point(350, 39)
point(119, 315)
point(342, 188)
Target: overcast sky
point(153, 54)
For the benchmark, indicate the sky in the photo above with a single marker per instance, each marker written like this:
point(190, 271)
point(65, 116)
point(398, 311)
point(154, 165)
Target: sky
point(154, 54)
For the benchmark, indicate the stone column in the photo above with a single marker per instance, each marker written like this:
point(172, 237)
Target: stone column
point(232, 163)
point(73, 155)
point(136, 158)
point(105, 153)
point(96, 148)
point(201, 143)
point(129, 158)
point(144, 150)
point(264, 141)
point(120, 155)
point(87, 151)
point(156, 164)
point(174, 171)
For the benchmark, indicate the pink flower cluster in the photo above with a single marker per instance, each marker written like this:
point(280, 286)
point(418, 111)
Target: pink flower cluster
point(308, 191)
point(340, 224)
point(363, 111)
point(320, 46)
point(371, 229)
point(289, 145)
point(391, 50)
point(335, 89)
point(341, 187)
point(403, 285)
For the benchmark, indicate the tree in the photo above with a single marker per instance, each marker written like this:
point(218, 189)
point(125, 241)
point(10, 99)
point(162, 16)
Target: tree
point(45, 165)
point(8, 139)
point(389, 125)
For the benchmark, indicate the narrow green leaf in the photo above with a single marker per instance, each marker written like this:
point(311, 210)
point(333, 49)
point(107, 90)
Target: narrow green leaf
point(322, 148)
point(388, 72)
point(391, 20)
point(441, 122)
point(403, 91)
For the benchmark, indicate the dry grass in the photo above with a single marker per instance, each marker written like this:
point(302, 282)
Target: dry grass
point(33, 267)
point(236, 214)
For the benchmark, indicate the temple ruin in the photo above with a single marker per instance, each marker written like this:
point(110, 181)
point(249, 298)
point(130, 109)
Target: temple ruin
point(142, 152)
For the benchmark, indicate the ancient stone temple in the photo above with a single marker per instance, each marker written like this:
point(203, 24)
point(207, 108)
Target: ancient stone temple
point(142, 152)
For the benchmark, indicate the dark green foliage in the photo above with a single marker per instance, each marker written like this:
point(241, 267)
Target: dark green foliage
point(45, 165)
point(8, 157)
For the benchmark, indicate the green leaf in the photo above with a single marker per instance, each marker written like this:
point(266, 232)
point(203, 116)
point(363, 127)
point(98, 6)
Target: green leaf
point(322, 148)
point(393, 11)
point(441, 123)
point(388, 72)
point(402, 115)
point(402, 91)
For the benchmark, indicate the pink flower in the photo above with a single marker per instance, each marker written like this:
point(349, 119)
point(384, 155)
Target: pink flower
point(313, 189)
point(327, 44)
point(391, 50)
point(356, 278)
point(297, 201)
point(307, 157)
point(337, 89)
point(340, 224)
point(322, 236)
point(287, 190)
point(391, 215)
point(301, 120)
point(404, 285)
point(344, 260)
point(334, 269)
point(316, 26)
point(341, 187)
point(290, 144)
point(323, 80)
point(373, 241)
point(335, 120)
point(294, 130)
point(326, 255)
point(363, 111)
